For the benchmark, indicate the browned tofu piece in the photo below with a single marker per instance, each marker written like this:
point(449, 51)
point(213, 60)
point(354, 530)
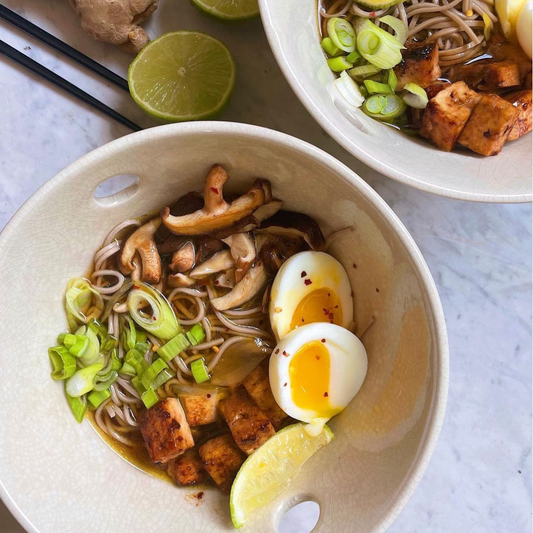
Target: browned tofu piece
point(258, 387)
point(447, 113)
point(488, 76)
point(522, 101)
point(165, 430)
point(419, 64)
point(489, 125)
point(436, 88)
point(222, 460)
point(188, 469)
point(507, 51)
point(200, 410)
point(248, 424)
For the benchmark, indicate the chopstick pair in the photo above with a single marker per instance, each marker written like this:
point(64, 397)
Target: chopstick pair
point(55, 43)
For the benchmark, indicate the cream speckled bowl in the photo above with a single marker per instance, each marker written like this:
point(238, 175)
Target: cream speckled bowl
point(58, 476)
point(292, 30)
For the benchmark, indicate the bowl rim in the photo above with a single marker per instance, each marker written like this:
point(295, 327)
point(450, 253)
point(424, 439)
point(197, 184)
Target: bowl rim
point(438, 402)
point(331, 128)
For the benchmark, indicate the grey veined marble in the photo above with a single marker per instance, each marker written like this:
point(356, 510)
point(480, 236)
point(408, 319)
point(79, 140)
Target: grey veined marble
point(479, 480)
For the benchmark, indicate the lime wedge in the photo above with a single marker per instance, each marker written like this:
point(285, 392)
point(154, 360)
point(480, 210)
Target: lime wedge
point(270, 469)
point(228, 9)
point(183, 75)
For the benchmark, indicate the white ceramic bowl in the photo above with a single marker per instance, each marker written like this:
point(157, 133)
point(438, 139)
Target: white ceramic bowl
point(292, 30)
point(58, 476)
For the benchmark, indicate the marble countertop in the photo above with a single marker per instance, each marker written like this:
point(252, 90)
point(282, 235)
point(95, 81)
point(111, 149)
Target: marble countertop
point(479, 480)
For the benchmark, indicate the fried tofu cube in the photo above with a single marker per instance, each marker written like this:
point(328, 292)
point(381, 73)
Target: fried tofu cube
point(436, 88)
point(200, 410)
point(248, 424)
point(486, 76)
point(188, 469)
point(222, 459)
point(165, 430)
point(447, 113)
point(507, 51)
point(419, 64)
point(522, 101)
point(489, 125)
point(258, 387)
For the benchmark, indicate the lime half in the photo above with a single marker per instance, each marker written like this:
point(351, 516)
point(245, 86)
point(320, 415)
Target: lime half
point(228, 9)
point(183, 75)
point(270, 469)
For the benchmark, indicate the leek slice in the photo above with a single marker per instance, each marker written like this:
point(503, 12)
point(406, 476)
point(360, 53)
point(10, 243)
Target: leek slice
point(78, 406)
point(341, 33)
point(63, 363)
point(162, 321)
point(364, 71)
point(97, 397)
point(374, 87)
point(173, 347)
point(152, 372)
point(377, 46)
point(196, 334)
point(82, 381)
point(384, 106)
point(199, 371)
point(338, 64)
point(83, 301)
point(415, 96)
point(400, 29)
point(349, 90)
point(330, 48)
point(149, 398)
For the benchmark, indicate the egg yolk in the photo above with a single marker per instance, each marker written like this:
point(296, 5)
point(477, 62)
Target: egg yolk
point(321, 305)
point(309, 378)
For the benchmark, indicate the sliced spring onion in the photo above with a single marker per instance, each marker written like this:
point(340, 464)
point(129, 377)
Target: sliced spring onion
point(363, 90)
point(99, 329)
point(141, 336)
point(199, 371)
point(128, 369)
point(152, 371)
point(137, 383)
point(161, 321)
point(92, 354)
point(341, 33)
point(63, 363)
point(384, 106)
point(80, 347)
point(353, 57)
point(78, 405)
point(338, 64)
point(349, 90)
point(83, 380)
point(106, 381)
point(149, 398)
point(128, 334)
point(137, 361)
point(400, 29)
point(162, 378)
point(80, 295)
point(69, 340)
point(173, 347)
point(364, 71)
point(196, 334)
point(330, 48)
point(97, 397)
point(377, 46)
point(116, 361)
point(392, 79)
point(61, 338)
point(415, 96)
point(374, 87)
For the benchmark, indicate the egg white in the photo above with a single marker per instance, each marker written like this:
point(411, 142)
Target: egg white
point(524, 26)
point(348, 367)
point(290, 288)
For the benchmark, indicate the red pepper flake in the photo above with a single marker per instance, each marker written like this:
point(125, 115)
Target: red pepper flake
point(326, 395)
point(377, 290)
point(216, 282)
point(317, 357)
point(136, 287)
point(308, 282)
point(214, 189)
point(326, 311)
point(329, 294)
point(284, 384)
point(209, 395)
point(200, 495)
point(285, 353)
point(331, 316)
point(303, 274)
point(154, 318)
point(277, 351)
point(323, 340)
point(336, 307)
point(354, 265)
point(372, 13)
point(303, 319)
point(259, 263)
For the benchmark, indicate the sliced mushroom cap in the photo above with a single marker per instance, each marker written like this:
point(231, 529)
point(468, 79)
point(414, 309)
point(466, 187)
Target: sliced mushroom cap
point(226, 279)
point(216, 212)
point(217, 263)
point(206, 247)
point(180, 280)
point(272, 257)
point(242, 248)
point(249, 287)
point(142, 242)
point(184, 259)
point(291, 224)
point(267, 210)
point(189, 203)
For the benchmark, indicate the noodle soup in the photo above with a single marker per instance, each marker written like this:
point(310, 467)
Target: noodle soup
point(444, 70)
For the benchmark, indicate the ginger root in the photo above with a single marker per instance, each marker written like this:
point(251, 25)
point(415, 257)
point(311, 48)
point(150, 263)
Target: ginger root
point(116, 21)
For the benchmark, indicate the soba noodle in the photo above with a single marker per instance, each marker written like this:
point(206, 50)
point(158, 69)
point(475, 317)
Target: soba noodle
point(457, 26)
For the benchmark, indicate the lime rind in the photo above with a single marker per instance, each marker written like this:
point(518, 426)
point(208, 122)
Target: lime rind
point(239, 10)
point(237, 513)
point(157, 113)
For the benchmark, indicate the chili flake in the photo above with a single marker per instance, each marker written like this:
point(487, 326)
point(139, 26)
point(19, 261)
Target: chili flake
point(326, 395)
point(308, 282)
point(323, 340)
point(303, 274)
point(214, 189)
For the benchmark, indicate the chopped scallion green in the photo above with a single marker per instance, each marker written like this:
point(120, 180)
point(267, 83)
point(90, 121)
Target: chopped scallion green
point(97, 397)
point(199, 371)
point(152, 371)
point(338, 64)
point(196, 334)
point(63, 363)
point(78, 406)
point(384, 106)
point(374, 87)
point(377, 46)
point(173, 347)
point(149, 398)
point(82, 381)
point(341, 33)
point(330, 48)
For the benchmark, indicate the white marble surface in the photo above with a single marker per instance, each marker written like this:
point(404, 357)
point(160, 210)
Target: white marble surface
point(479, 480)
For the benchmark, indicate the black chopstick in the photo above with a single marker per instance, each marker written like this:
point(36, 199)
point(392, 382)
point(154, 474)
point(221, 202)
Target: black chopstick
point(31, 29)
point(62, 83)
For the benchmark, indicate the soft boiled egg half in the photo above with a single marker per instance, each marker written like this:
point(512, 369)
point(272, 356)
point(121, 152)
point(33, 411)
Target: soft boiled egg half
point(315, 371)
point(310, 287)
